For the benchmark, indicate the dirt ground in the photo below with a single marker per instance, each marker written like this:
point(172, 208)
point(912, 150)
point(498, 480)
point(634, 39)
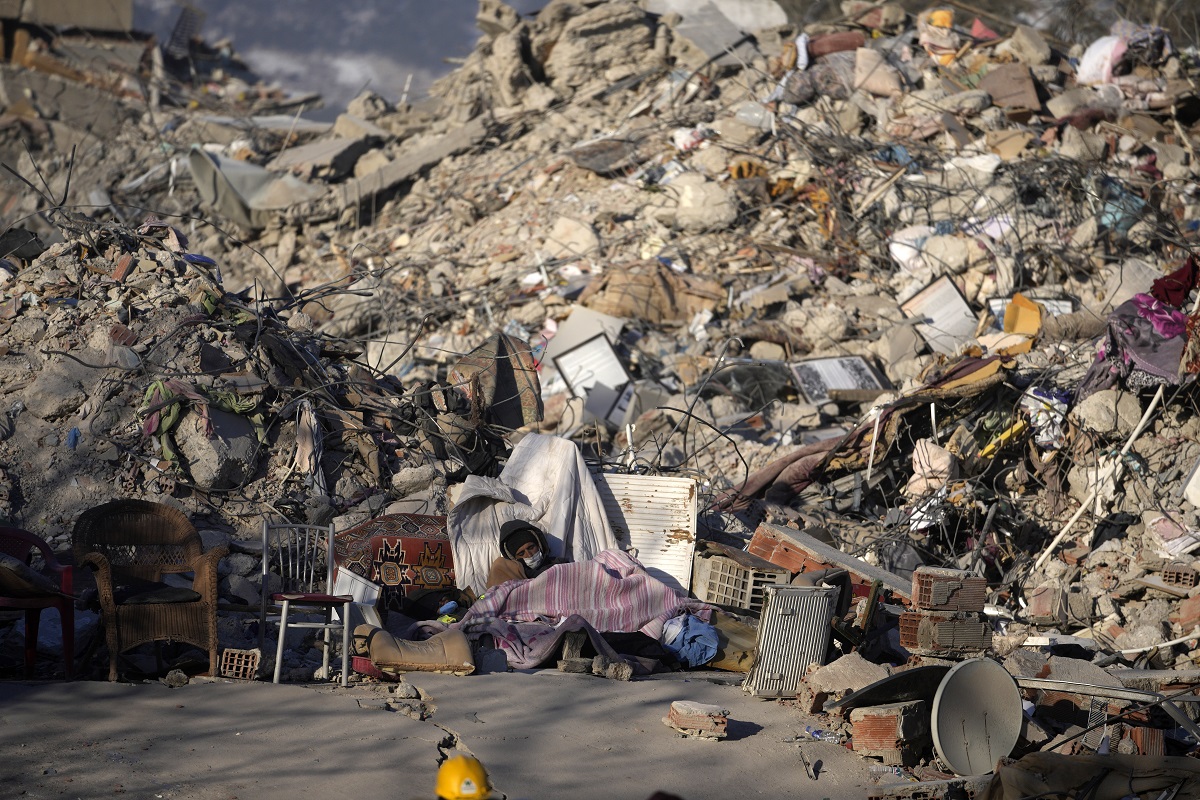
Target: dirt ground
point(541, 733)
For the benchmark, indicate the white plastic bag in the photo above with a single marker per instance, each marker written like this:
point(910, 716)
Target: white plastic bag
point(1098, 60)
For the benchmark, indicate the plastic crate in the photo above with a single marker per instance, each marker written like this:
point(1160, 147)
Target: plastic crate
point(728, 577)
point(240, 665)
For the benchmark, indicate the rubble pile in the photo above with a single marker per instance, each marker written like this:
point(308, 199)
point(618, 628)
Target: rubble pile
point(910, 298)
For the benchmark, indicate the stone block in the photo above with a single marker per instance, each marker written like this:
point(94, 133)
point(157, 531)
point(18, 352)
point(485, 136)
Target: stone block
point(223, 459)
point(413, 479)
point(55, 392)
point(613, 670)
point(349, 126)
point(570, 238)
point(1028, 46)
point(1011, 86)
point(1082, 145)
point(1109, 413)
point(1070, 101)
point(847, 674)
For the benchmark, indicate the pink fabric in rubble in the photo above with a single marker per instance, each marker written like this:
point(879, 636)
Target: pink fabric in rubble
point(612, 592)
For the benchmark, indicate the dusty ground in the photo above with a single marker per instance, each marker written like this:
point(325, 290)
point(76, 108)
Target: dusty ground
point(543, 734)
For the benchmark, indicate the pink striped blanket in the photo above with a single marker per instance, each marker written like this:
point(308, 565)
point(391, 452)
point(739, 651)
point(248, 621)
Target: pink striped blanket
point(612, 593)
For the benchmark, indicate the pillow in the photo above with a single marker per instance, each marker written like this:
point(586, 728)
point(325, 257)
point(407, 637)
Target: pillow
point(131, 591)
point(165, 594)
point(18, 579)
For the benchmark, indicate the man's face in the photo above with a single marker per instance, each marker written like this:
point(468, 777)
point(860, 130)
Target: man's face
point(528, 550)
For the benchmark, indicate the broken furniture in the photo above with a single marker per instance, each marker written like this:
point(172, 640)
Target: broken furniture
point(656, 515)
point(23, 587)
point(302, 558)
point(131, 545)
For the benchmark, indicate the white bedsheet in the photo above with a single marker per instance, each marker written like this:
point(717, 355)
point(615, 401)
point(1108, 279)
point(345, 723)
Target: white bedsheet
point(545, 482)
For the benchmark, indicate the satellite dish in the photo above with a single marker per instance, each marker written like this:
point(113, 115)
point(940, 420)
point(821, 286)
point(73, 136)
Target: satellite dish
point(976, 716)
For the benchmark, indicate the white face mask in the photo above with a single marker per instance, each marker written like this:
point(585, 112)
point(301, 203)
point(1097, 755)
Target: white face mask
point(534, 561)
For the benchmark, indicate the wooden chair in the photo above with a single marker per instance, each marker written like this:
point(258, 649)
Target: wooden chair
point(39, 591)
point(302, 558)
point(131, 544)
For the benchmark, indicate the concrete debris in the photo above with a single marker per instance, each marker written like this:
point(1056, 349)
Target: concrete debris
point(700, 720)
point(910, 298)
point(897, 733)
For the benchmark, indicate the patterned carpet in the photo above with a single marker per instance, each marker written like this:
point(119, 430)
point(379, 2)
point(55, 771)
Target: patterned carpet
point(403, 553)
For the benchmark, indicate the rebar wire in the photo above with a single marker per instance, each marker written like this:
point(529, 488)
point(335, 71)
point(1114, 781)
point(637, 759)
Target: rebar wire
point(699, 391)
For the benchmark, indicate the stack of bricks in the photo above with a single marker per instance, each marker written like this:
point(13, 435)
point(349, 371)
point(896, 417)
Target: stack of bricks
point(700, 720)
point(947, 619)
point(897, 733)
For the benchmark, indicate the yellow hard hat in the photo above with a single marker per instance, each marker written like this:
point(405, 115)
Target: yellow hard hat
point(941, 18)
point(463, 778)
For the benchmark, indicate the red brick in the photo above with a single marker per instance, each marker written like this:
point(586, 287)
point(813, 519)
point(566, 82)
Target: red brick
point(123, 268)
point(797, 551)
point(897, 732)
point(944, 632)
point(1076, 555)
point(937, 589)
point(1187, 613)
point(1045, 604)
point(1149, 741)
point(1179, 575)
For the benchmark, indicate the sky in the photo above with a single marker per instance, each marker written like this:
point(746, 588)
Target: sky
point(335, 48)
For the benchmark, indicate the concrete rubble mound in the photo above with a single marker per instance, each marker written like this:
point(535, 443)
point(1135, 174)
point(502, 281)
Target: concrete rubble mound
point(872, 342)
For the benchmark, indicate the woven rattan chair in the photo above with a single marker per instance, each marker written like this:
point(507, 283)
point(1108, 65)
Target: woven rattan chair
point(131, 544)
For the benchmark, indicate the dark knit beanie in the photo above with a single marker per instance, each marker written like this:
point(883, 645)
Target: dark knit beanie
point(516, 533)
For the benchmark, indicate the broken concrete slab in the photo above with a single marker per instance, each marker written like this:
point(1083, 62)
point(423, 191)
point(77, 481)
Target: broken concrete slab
point(327, 159)
point(223, 458)
point(409, 165)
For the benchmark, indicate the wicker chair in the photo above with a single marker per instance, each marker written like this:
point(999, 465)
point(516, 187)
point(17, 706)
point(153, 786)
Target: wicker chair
point(131, 544)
